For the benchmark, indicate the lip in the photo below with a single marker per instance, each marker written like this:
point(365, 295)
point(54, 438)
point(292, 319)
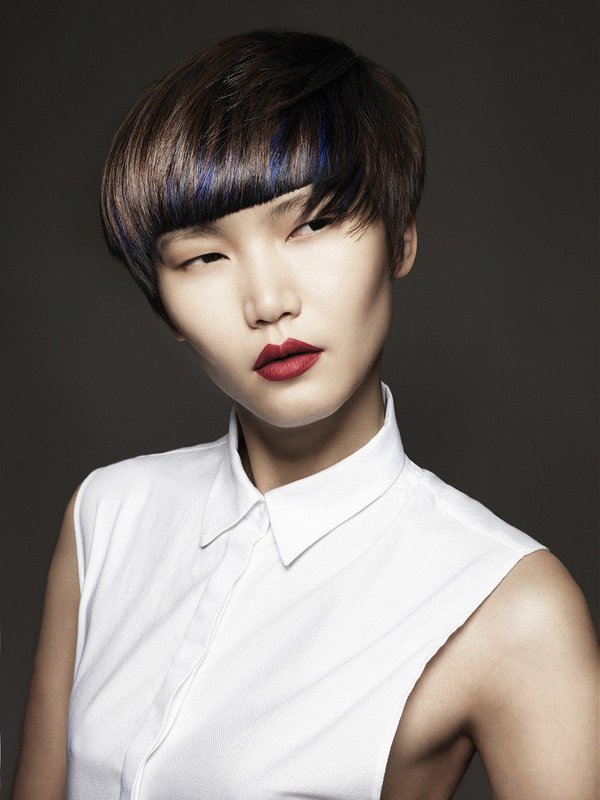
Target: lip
point(289, 347)
point(282, 369)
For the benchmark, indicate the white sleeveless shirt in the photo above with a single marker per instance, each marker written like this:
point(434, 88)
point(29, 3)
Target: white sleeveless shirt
point(239, 646)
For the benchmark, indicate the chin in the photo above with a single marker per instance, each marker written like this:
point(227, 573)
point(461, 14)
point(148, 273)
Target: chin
point(294, 408)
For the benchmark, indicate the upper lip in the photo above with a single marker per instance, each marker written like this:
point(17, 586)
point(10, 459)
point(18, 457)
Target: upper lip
point(272, 351)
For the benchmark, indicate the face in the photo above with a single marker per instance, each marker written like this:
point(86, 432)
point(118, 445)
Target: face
point(263, 275)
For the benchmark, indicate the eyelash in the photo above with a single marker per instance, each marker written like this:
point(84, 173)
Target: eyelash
point(323, 220)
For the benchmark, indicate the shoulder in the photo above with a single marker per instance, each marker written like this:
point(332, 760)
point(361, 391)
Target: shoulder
point(532, 638)
point(467, 526)
point(532, 706)
point(534, 628)
point(170, 468)
point(540, 606)
point(118, 497)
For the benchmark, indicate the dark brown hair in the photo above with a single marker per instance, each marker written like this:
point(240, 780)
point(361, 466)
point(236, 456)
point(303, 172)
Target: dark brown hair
point(252, 117)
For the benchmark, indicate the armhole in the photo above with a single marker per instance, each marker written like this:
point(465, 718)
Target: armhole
point(464, 610)
point(83, 544)
point(83, 540)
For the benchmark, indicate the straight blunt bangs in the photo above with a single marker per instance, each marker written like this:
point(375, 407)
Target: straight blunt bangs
point(253, 117)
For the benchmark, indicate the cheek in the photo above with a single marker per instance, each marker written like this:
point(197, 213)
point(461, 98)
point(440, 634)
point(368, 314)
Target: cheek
point(376, 284)
point(374, 316)
point(370, 306)
point(201, 316)
point(364, 293)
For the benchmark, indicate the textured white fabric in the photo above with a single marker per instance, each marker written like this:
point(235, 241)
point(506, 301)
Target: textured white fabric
point(240, 646)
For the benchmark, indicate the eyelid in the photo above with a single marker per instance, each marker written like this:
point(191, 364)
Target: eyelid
point(317, 218)
point(199, 257)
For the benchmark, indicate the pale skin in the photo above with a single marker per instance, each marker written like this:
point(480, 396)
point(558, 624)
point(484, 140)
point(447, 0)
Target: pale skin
point(518, 681)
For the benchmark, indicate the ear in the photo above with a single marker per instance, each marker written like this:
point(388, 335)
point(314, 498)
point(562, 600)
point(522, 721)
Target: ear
point(409, 251)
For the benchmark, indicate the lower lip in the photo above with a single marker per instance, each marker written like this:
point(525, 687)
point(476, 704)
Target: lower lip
point(290, 367)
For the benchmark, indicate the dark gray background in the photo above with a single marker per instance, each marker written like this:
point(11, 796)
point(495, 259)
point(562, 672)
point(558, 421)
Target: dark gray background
point(492, 355)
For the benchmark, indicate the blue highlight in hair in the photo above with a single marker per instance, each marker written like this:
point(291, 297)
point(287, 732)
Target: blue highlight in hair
point(130, 245)
point(277, 158)
point(170, 195)
point(323, 149)
point(221, 183)
point(204, 179)
point(315, 165)
point(279, 166)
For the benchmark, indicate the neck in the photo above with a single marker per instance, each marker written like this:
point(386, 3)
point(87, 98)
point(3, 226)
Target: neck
point(273, 456)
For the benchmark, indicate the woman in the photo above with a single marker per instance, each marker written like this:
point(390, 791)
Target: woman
point(295, 609)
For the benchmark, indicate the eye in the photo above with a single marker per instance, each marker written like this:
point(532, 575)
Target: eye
point(312, 225)
point(210, 257)
point(206, 259)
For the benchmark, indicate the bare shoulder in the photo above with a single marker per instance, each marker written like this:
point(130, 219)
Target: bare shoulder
point(533, 700)
point(539, 604)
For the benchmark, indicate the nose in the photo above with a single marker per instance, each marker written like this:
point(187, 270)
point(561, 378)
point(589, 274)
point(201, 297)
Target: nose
point(269, 291)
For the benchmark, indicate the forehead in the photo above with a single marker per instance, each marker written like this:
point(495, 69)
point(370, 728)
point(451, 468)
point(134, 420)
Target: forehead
point(291, 202)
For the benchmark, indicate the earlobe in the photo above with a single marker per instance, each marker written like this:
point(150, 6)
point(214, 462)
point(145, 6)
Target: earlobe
point(177, 335)
point(409, 252)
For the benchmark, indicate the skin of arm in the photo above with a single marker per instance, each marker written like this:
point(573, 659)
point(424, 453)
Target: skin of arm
point(41, 772)
point(534, 703)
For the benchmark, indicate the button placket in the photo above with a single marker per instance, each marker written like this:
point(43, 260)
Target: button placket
point(194, 648)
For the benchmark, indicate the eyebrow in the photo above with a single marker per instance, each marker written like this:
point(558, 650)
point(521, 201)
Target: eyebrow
point(291, 204)
point(191, 232)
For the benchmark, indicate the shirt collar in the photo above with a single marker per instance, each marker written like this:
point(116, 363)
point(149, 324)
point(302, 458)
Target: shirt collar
point(303, 511)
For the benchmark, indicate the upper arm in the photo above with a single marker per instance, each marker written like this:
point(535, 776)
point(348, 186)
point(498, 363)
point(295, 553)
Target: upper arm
point(41, 773)
point(534, 718)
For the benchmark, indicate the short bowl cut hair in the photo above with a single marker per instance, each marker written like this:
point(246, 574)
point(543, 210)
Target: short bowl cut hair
point(252, 117)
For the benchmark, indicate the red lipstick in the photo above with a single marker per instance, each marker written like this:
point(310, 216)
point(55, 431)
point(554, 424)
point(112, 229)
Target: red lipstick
point(279, 362)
